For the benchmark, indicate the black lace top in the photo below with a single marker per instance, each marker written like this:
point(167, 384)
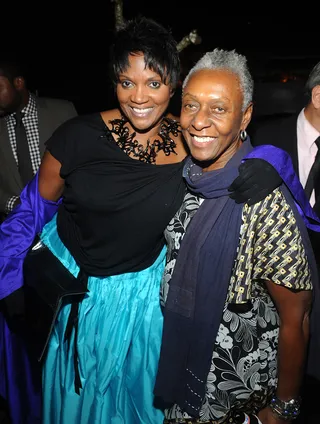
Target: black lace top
point(115, 208)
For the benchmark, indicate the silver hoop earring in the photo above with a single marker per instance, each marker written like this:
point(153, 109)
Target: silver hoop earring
point(243, 135)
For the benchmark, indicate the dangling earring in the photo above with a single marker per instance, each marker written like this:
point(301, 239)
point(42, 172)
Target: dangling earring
point(243, 135)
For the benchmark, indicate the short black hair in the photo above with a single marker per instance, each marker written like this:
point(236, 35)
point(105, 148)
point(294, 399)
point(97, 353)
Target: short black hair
point(157, 44)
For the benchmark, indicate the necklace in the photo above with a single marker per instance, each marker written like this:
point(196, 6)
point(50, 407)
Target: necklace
point(148, 153)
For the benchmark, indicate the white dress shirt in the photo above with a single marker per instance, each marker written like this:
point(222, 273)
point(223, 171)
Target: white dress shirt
point(307, 149)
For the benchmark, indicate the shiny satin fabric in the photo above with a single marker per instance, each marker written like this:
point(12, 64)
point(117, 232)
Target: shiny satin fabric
point(17, 233)
point(282, 162)
point(20, 378)
point(20, 375)
point(119, 337)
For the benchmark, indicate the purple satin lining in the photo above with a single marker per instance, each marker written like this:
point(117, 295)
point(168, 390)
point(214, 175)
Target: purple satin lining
point(17, 233)
point(20, 381)
point(20, 378)
point(282, 162)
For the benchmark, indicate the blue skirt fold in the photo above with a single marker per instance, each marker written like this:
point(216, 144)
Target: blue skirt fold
point(119, 336)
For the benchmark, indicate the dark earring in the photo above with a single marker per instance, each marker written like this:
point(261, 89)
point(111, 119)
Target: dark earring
point(243, 135)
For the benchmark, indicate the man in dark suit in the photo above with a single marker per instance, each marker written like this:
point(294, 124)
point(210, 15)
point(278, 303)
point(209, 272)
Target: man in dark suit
point(39, 118)
point(299, 135)
point(26, 122)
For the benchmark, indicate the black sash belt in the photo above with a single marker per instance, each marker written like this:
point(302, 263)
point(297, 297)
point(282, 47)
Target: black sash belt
point(48, 285)
point(72, 323)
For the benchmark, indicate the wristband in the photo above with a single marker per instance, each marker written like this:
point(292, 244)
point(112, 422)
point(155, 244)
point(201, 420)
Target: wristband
point(286, 410)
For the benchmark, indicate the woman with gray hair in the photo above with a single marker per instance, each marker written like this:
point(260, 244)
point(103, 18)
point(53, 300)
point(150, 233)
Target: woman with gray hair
point(237, 296)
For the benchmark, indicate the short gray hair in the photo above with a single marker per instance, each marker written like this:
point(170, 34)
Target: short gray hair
point(313, 80)
point(230, 61)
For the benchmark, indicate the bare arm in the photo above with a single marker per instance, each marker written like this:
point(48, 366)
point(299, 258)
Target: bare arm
point(51, 185)
point(294, 309)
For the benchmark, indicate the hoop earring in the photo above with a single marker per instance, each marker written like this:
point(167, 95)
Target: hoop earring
point(243, 135)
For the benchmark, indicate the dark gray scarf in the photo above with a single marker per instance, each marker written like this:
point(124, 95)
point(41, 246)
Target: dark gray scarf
point(198, 287)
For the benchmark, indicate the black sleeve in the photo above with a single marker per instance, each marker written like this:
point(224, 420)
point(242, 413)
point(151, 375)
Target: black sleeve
point(61, 144)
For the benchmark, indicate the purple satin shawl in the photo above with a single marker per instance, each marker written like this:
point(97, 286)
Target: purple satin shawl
point(20, 381)
point(20, 378)
point(17, 233)
point(282, 162)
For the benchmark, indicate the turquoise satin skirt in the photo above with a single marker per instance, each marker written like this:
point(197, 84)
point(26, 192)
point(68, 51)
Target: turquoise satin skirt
point(119, 336)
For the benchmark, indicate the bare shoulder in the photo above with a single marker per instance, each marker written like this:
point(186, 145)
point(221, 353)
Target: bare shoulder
point(109, 115)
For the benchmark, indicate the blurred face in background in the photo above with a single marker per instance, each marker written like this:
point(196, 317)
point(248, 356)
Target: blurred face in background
point(11, 95)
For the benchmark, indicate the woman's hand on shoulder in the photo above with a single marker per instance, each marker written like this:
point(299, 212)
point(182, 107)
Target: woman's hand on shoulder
point(257, 178)
point(51, 185)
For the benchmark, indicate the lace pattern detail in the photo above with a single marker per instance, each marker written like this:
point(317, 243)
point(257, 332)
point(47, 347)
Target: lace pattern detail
point(148, 153)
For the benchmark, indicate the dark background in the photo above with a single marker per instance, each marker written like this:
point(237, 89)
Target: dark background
point(65, 51)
